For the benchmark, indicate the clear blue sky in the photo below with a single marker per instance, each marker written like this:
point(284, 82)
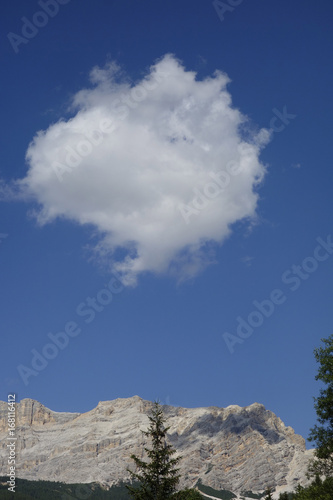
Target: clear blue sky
point(162, 335)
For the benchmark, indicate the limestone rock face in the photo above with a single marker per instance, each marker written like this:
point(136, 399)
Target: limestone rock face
point(230, 448)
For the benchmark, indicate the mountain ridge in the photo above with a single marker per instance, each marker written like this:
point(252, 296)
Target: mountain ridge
point(235, 448)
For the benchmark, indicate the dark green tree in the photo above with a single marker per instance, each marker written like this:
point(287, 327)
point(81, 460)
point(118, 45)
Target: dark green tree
point(158, 477)
point(322, 434)
point(268, 494)
point(284, 496)
point(188, 494)
point(318, 490)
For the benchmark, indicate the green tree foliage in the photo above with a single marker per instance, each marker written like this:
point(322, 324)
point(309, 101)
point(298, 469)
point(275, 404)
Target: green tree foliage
point(285, 496)
point(268, 494)
point(322, 434)
point(158, 477)
point(318, 490)
point(52, 490)
point(207, 490)
point(250, 494)
point(188, 494)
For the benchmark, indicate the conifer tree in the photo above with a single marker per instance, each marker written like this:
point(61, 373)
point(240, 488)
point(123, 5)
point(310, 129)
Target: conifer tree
point(269, 494)
point(158, 477)
point(284, 496)
point(323, 434)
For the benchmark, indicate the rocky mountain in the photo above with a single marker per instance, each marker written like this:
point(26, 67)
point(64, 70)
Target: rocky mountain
point(233, 448)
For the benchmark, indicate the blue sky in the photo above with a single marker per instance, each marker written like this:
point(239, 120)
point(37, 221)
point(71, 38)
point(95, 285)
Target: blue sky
point(67, 229)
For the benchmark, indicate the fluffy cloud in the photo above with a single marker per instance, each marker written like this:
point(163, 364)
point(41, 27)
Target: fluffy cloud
point(161, 167)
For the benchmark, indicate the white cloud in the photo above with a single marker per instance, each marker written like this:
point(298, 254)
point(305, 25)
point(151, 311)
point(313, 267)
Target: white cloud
point(133, 156)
